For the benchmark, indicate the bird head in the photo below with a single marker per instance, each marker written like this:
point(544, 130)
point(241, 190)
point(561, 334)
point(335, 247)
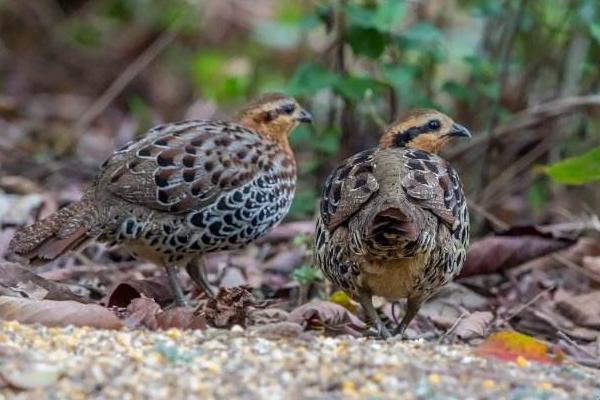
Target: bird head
point(274, 116)
point(422, 129)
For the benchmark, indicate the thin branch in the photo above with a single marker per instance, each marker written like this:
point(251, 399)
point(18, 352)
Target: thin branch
point(128, 74)
point(531, 117)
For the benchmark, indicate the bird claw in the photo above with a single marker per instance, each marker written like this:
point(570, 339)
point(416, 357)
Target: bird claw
point(379, 331)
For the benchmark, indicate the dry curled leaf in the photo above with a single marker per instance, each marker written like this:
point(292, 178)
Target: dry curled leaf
point(474, 325)
point(331, 317)
point(146, 312)
point(511, 345)
point(57, 313)
point(267, 316)
point(156, 288)
point(231, 306)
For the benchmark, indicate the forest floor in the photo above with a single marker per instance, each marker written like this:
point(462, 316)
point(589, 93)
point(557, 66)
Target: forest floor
point(79, 363)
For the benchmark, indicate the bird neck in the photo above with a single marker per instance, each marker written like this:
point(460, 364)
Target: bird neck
point(427, 142)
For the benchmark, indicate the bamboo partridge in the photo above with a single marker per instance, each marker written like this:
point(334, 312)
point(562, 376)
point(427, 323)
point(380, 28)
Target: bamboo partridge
point(393, 220)
point(185, 189)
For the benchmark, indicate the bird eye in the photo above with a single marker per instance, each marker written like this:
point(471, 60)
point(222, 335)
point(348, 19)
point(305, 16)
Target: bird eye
point(434, 124)
point(288, 108)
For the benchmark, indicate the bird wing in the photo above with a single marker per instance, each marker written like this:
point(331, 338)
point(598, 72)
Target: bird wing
point(348, 188)
point(185, 166)
point(431, 183)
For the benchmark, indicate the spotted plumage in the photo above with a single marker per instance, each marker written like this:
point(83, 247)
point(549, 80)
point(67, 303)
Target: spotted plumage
point(183, 190)
point(393, 220)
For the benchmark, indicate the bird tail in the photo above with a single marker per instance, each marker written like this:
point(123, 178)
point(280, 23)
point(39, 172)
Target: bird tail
point(391, 225)
point(67, 229)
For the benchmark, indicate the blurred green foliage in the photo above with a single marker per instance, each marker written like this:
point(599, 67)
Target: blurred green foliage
point(359, 64)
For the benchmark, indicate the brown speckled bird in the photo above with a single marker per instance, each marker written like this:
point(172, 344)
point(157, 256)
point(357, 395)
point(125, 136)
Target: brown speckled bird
point(393, 219)
point(185, 189)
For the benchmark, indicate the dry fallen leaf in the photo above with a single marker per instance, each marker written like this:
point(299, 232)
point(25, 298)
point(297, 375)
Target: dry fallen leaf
point(57, 313)
point(332, 317)
point(513, 346)
point(514, 247)
point(474, 325)
point(264, 316)
point(592, 263)
point(231, 306)
point(156, 288)
point(146, 312)
point(583, 309)
point(20, 282)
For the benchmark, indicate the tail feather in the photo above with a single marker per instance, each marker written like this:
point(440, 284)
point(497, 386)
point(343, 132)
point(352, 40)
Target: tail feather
point(392, 222)
point(46, 240)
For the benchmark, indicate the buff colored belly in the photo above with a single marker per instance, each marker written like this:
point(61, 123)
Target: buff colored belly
point(392, 279)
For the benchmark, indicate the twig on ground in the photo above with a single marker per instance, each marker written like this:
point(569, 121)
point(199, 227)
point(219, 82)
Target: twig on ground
point(523, 307)
point(580, 348)
point(453, 327)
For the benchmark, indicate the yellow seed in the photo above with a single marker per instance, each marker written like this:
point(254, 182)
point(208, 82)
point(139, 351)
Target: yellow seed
point(173, 333)
point(13, 325)
point(545, 386)
point(348, 388)
point(522, 361)
point(377, 378)
point(434, 379)
point(213, 367)
point(488, 384)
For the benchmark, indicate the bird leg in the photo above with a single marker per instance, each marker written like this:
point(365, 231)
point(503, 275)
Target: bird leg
point(366, 301)
point(176, 286)
point(413, 304)
point(197, 271)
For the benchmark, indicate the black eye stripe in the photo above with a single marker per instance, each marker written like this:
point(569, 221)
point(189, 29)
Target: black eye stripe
point(402, 138)
point(287, 108)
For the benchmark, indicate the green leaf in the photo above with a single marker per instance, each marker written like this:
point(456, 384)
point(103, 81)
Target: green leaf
point(577, 170)
point(304, 203)
point(328, 142)
point(305, 275)
point(385, 16)
point(366, 41)
point(214, 77)
point(276, 34)
point(595, 31)
point(359, 16)
point(309, 78)
point(389, 15)
point(354, 88)
point(423, 34)
point(398, 76)
point(458, 91)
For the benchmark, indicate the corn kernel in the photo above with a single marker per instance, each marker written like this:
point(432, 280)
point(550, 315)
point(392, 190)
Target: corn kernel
point(488, 384)
point(434, 379)
point(522, 361)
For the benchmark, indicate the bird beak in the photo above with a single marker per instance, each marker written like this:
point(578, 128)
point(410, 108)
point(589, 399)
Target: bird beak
point(304, 116)
point(458, 130)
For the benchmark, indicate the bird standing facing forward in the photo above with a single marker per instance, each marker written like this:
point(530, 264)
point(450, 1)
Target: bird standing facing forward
point(393, 220)
point(185, 189)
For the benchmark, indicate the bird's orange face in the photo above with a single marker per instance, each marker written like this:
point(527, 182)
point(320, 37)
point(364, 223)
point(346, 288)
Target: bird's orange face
point(273, 116)
point(422, 129)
